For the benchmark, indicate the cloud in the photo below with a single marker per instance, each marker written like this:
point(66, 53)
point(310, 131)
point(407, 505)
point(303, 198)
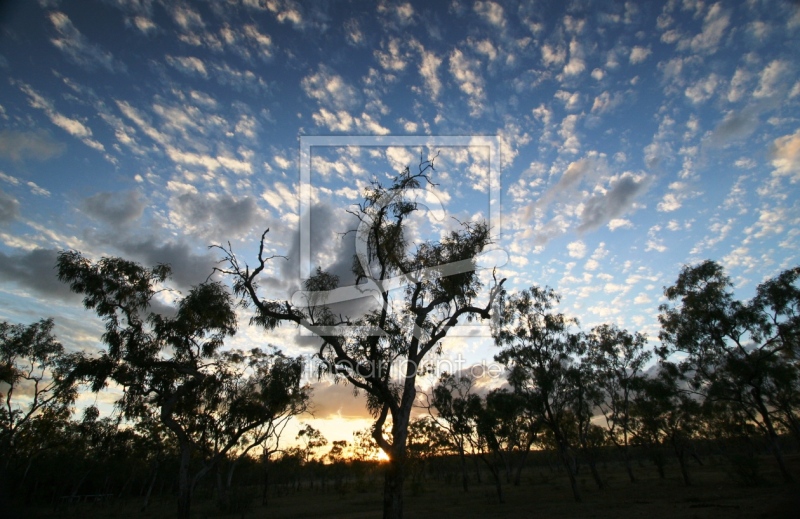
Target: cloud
point(735, 125)
point(34, 270)
point(287, 11)
point(786, 156)
point(575, 173)
point(38, 145)
point(330, 89)
point(76, 47)
point(116, 209)
point(577, 249)
point(703, 89)
point(639, 54)
point(9, 208)
point(714, 25)
point(467, 73)
point(602, 208)
point(188, 267)
point(492, 12)
point(771, 79)
point(188, 65)
point(333, 400)
point(72, 126)
point(214, 217)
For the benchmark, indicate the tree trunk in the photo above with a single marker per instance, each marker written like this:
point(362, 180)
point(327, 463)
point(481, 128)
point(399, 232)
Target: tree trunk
point(393, 488)
point(596, 475)
point(772, 436)
point(265, 491)
point(184, 485)
point(150, 488)
point(626, 456)
point(524, 458)
point(464, 478)
point(569, 464)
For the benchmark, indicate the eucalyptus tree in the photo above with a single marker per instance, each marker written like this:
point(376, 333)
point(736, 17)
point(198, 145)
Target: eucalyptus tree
point(591, 438)
point(35, 389)
point(539, 351)
point(618, 358)
point(661, 413)
point(735, 351)
point(208, 399)
point(451, 399)
point(382, 352)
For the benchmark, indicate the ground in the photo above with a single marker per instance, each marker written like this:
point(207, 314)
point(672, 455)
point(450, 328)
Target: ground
point(542, 493)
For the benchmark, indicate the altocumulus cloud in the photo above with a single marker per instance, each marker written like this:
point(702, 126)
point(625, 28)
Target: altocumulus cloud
point(600, 209)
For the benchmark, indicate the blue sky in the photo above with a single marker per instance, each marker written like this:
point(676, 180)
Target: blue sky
point(633, 137)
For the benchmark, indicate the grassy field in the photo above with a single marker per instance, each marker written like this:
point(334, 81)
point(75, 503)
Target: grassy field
point(542, 494)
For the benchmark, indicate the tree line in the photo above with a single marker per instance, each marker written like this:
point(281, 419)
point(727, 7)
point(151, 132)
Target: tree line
point(726, 370)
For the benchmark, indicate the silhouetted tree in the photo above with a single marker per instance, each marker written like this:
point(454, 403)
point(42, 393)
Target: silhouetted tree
point(442, 288)
point(734, 351)
point(36, 390)
point(538, 352)
point(207, 398)
point(618, 358)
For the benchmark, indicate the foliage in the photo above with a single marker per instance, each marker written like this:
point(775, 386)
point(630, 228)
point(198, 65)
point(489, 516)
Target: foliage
point(35, 390)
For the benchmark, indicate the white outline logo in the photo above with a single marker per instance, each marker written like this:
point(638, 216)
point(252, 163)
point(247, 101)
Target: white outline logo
point(376, 288)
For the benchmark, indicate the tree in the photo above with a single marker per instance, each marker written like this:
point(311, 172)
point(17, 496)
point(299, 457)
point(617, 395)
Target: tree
point(207, 398)
point(442, 287)
point(451, 399)
point(590, 437)
point(33, 365)
point(538, 352)
point(662, 413)
point(735, 351)
point(618, 358)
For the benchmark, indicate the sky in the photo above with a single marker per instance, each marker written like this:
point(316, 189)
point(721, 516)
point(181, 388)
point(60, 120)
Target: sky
point(608, 144)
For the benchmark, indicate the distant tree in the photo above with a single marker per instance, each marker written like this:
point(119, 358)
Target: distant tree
point(590, 438)
point(450, 406)
point(442, 288)
point(618, 358)
point(736, 351)
point(207, 398)
point(662, 414)
point(33, 386)
point(426, 442)
point(539, 351)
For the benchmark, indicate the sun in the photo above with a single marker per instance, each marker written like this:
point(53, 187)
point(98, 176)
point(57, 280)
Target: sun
point(382, 456)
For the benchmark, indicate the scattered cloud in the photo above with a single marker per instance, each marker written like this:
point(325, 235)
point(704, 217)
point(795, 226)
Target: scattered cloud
point(37, 145)
point(77, 48)
point(116, 209)
point(600, 209)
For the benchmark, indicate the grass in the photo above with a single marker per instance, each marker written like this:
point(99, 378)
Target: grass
point(542, 493)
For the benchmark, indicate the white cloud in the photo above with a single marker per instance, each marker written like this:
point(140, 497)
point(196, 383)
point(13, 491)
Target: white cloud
point(703, 89)
point(571, 100)
point(714, 25)
point(619, 223)
point(771, 78)
point(188, 64)
point(639, 54)
point(577, 249)
point(492, 12)
point(576, 63)
point(72, 126)
point(467, 73)
point(553, 55)
point(786, 156)
point(76, 47)
point(330, 89)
